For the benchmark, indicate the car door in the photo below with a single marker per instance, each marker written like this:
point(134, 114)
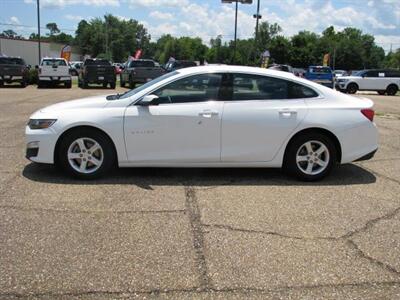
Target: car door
point(370, 81)
point(183, 127)
point(260, 115)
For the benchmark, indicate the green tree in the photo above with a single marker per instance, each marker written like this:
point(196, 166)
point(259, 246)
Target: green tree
point(53, 28)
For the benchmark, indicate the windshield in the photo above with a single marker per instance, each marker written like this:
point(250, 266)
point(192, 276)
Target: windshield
point(97, 62)
point(11, 61)
point(54, 62)
point(320, 70)
point(358, 73)
point(146, 85)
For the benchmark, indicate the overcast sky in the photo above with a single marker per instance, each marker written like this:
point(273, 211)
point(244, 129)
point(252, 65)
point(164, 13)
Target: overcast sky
point(209, 18)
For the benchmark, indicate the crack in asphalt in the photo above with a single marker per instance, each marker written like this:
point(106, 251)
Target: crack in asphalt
point(92, 212)
point(375, 261)
point(195, 290)
point(193, 210)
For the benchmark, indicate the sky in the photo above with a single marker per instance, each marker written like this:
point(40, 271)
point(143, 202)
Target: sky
point(209, 18)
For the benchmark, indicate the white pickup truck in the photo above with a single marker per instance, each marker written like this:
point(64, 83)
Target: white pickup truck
point(381, 81)
point(54, 71)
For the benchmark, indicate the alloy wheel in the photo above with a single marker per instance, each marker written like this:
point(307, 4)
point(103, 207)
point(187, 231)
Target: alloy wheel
point(312, 157)
point(85, 155)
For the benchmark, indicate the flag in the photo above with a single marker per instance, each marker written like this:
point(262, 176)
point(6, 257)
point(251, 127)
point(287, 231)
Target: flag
point(66, 52)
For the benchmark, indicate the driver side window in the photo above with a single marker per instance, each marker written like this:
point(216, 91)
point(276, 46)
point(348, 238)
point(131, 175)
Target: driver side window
point(196, 88)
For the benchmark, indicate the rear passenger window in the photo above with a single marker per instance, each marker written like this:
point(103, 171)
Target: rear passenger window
point(393, 73)
point(256, 87)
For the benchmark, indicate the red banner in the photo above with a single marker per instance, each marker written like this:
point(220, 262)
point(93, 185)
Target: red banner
point(138, 54)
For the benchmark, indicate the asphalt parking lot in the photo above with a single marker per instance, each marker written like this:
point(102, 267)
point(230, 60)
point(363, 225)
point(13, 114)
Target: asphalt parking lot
point(196, 233)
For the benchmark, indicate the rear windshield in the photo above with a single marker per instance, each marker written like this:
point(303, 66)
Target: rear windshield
point(11, 61)
point(53, 62)
point(320, 70)
point(141, 64)
point(97, 62)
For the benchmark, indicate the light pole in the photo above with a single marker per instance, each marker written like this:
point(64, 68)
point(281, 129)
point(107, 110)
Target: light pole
point(38, 21)
point(236, 13)
point(257, 16)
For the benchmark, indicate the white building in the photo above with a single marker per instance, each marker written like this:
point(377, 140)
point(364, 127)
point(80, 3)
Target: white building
point(28, 50)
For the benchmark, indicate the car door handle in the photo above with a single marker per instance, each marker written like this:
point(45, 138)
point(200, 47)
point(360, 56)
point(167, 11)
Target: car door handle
point(287, 113)
point(208, 113)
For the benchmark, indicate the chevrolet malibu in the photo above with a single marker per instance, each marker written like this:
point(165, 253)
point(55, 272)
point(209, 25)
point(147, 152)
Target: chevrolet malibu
point(211, 116)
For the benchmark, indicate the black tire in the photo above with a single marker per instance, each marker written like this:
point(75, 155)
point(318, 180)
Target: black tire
point(381, 93)
point(352, 88)
point(121, 82)
point(1, 83)
point(68, 84)
point(23, 83)
point(109, 156)
point(112, 85)
point(392, 90)
point(40, 84)
point(79, 83)
point(131, 84)
point(105, 84)
point(84, 84)
point(296, 145)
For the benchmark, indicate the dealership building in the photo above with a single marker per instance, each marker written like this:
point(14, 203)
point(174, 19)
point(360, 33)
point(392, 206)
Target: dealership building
point(29, 50)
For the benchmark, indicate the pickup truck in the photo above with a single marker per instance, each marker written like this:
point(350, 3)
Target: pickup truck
point(54, 71)
point(179, 64)
point(13, 69)
point(140, 71)
point(98, 71)
point(321, 75)
point(380, 80)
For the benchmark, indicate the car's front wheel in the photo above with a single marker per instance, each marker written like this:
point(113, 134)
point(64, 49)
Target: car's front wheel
point(352, 88)
point(310, 157)
point(86, 153)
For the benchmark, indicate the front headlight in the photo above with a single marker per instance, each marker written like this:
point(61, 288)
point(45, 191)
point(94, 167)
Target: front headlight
point(41, 123)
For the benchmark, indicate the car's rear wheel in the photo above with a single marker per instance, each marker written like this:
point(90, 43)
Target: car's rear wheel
point(392, 90)
point(68, 84)
point(121, 82)
point(310, 157)
point(352, 88)
point(112, 85)
point(86, 153)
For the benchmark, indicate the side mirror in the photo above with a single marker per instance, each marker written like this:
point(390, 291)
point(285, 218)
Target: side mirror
point(149, 100)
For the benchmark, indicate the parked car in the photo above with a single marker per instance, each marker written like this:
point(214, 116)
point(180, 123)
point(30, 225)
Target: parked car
point(13, 69)
point(284, 68)
point(179, 64)
point(379, 80)
point(98, 71)
point(75, 67)
point(54, 71)
point(140, 71)
point(321, 75)
point(204, 117)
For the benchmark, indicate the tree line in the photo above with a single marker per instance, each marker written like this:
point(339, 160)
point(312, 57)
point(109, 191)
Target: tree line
point(117, 39)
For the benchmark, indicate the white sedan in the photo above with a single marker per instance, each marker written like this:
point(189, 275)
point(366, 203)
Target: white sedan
point(211, 116)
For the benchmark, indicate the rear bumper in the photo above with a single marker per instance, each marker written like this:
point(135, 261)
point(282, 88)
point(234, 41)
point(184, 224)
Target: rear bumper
point(367, 156)
point(55, 78)
point(100, 78)
point(12, 78)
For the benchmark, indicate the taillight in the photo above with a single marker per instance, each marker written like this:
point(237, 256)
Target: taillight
point(368, 113)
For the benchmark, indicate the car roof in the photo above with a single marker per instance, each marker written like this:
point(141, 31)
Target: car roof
point(239, 69)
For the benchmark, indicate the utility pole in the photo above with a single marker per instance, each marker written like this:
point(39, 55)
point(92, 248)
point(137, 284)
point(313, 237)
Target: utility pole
point(38, 20)
point(258, 17)
point(234, 45)
point(107, 38)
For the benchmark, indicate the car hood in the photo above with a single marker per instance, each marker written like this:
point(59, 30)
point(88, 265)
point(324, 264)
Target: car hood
point(91, 102)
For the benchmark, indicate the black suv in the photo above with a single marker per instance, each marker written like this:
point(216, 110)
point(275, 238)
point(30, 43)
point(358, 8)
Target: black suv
point(13, 69)
point(98, 71)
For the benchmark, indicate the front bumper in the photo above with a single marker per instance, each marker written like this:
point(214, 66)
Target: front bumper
point(367, 156)
point(40, 145)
